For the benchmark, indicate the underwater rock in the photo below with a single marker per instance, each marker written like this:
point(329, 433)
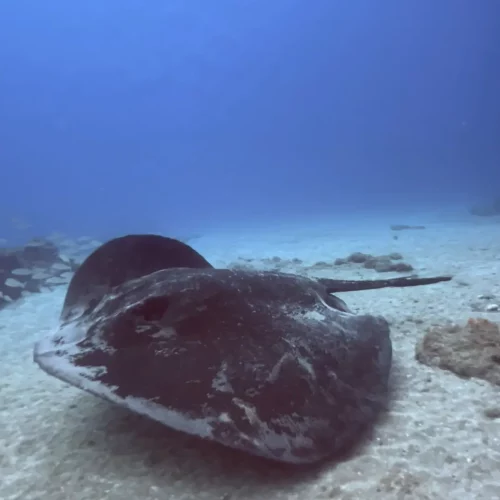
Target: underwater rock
point(379, 263)
point(39, 253)
point(30, 268)
point(486, 209)
point(385, 265)
point(261, 361)
point(468, 351)
point(405, 227)
point(485, 303)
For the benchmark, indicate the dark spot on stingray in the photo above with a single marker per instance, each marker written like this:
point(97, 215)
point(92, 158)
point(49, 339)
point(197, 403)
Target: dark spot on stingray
point(261, 361)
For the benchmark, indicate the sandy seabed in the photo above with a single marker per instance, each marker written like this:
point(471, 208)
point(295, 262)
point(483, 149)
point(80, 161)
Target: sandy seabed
point(436, 442)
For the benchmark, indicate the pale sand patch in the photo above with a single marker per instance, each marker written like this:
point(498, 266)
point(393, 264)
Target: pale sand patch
point(57, 443)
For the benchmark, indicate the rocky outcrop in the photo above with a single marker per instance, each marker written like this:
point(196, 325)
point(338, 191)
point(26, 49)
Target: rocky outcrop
point(381, 263)
point(486, 209)
point(32, 268)
point(472, 350)
point(405, 227)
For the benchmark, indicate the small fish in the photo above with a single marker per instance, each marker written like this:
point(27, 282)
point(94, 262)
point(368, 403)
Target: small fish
point(13, 283)
point(60, 266)
point(22, 271)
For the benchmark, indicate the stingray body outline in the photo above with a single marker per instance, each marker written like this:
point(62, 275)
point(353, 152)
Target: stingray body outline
point(265, 362)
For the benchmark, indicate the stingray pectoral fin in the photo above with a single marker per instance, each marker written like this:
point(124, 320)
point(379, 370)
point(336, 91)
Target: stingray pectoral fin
point(334, 286)
point(121, 260)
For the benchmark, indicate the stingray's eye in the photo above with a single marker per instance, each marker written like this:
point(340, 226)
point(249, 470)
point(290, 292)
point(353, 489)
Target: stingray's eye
point(139, 325)
point(151, 309)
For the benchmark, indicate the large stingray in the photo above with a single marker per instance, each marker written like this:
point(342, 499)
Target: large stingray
point(265, 362)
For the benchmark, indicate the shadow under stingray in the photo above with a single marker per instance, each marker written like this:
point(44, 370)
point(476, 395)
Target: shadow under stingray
point(127, 437)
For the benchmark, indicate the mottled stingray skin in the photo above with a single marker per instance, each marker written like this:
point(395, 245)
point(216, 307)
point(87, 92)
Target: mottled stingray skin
point(265, 362)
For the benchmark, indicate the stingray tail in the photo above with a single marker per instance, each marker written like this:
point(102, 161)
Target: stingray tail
point(334, 286)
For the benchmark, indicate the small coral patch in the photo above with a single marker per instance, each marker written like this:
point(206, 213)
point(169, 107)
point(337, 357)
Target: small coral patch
point(472, 350)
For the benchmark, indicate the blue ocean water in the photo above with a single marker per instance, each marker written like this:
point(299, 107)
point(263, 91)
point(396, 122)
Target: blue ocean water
point(184, 117)
point(283, 135)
